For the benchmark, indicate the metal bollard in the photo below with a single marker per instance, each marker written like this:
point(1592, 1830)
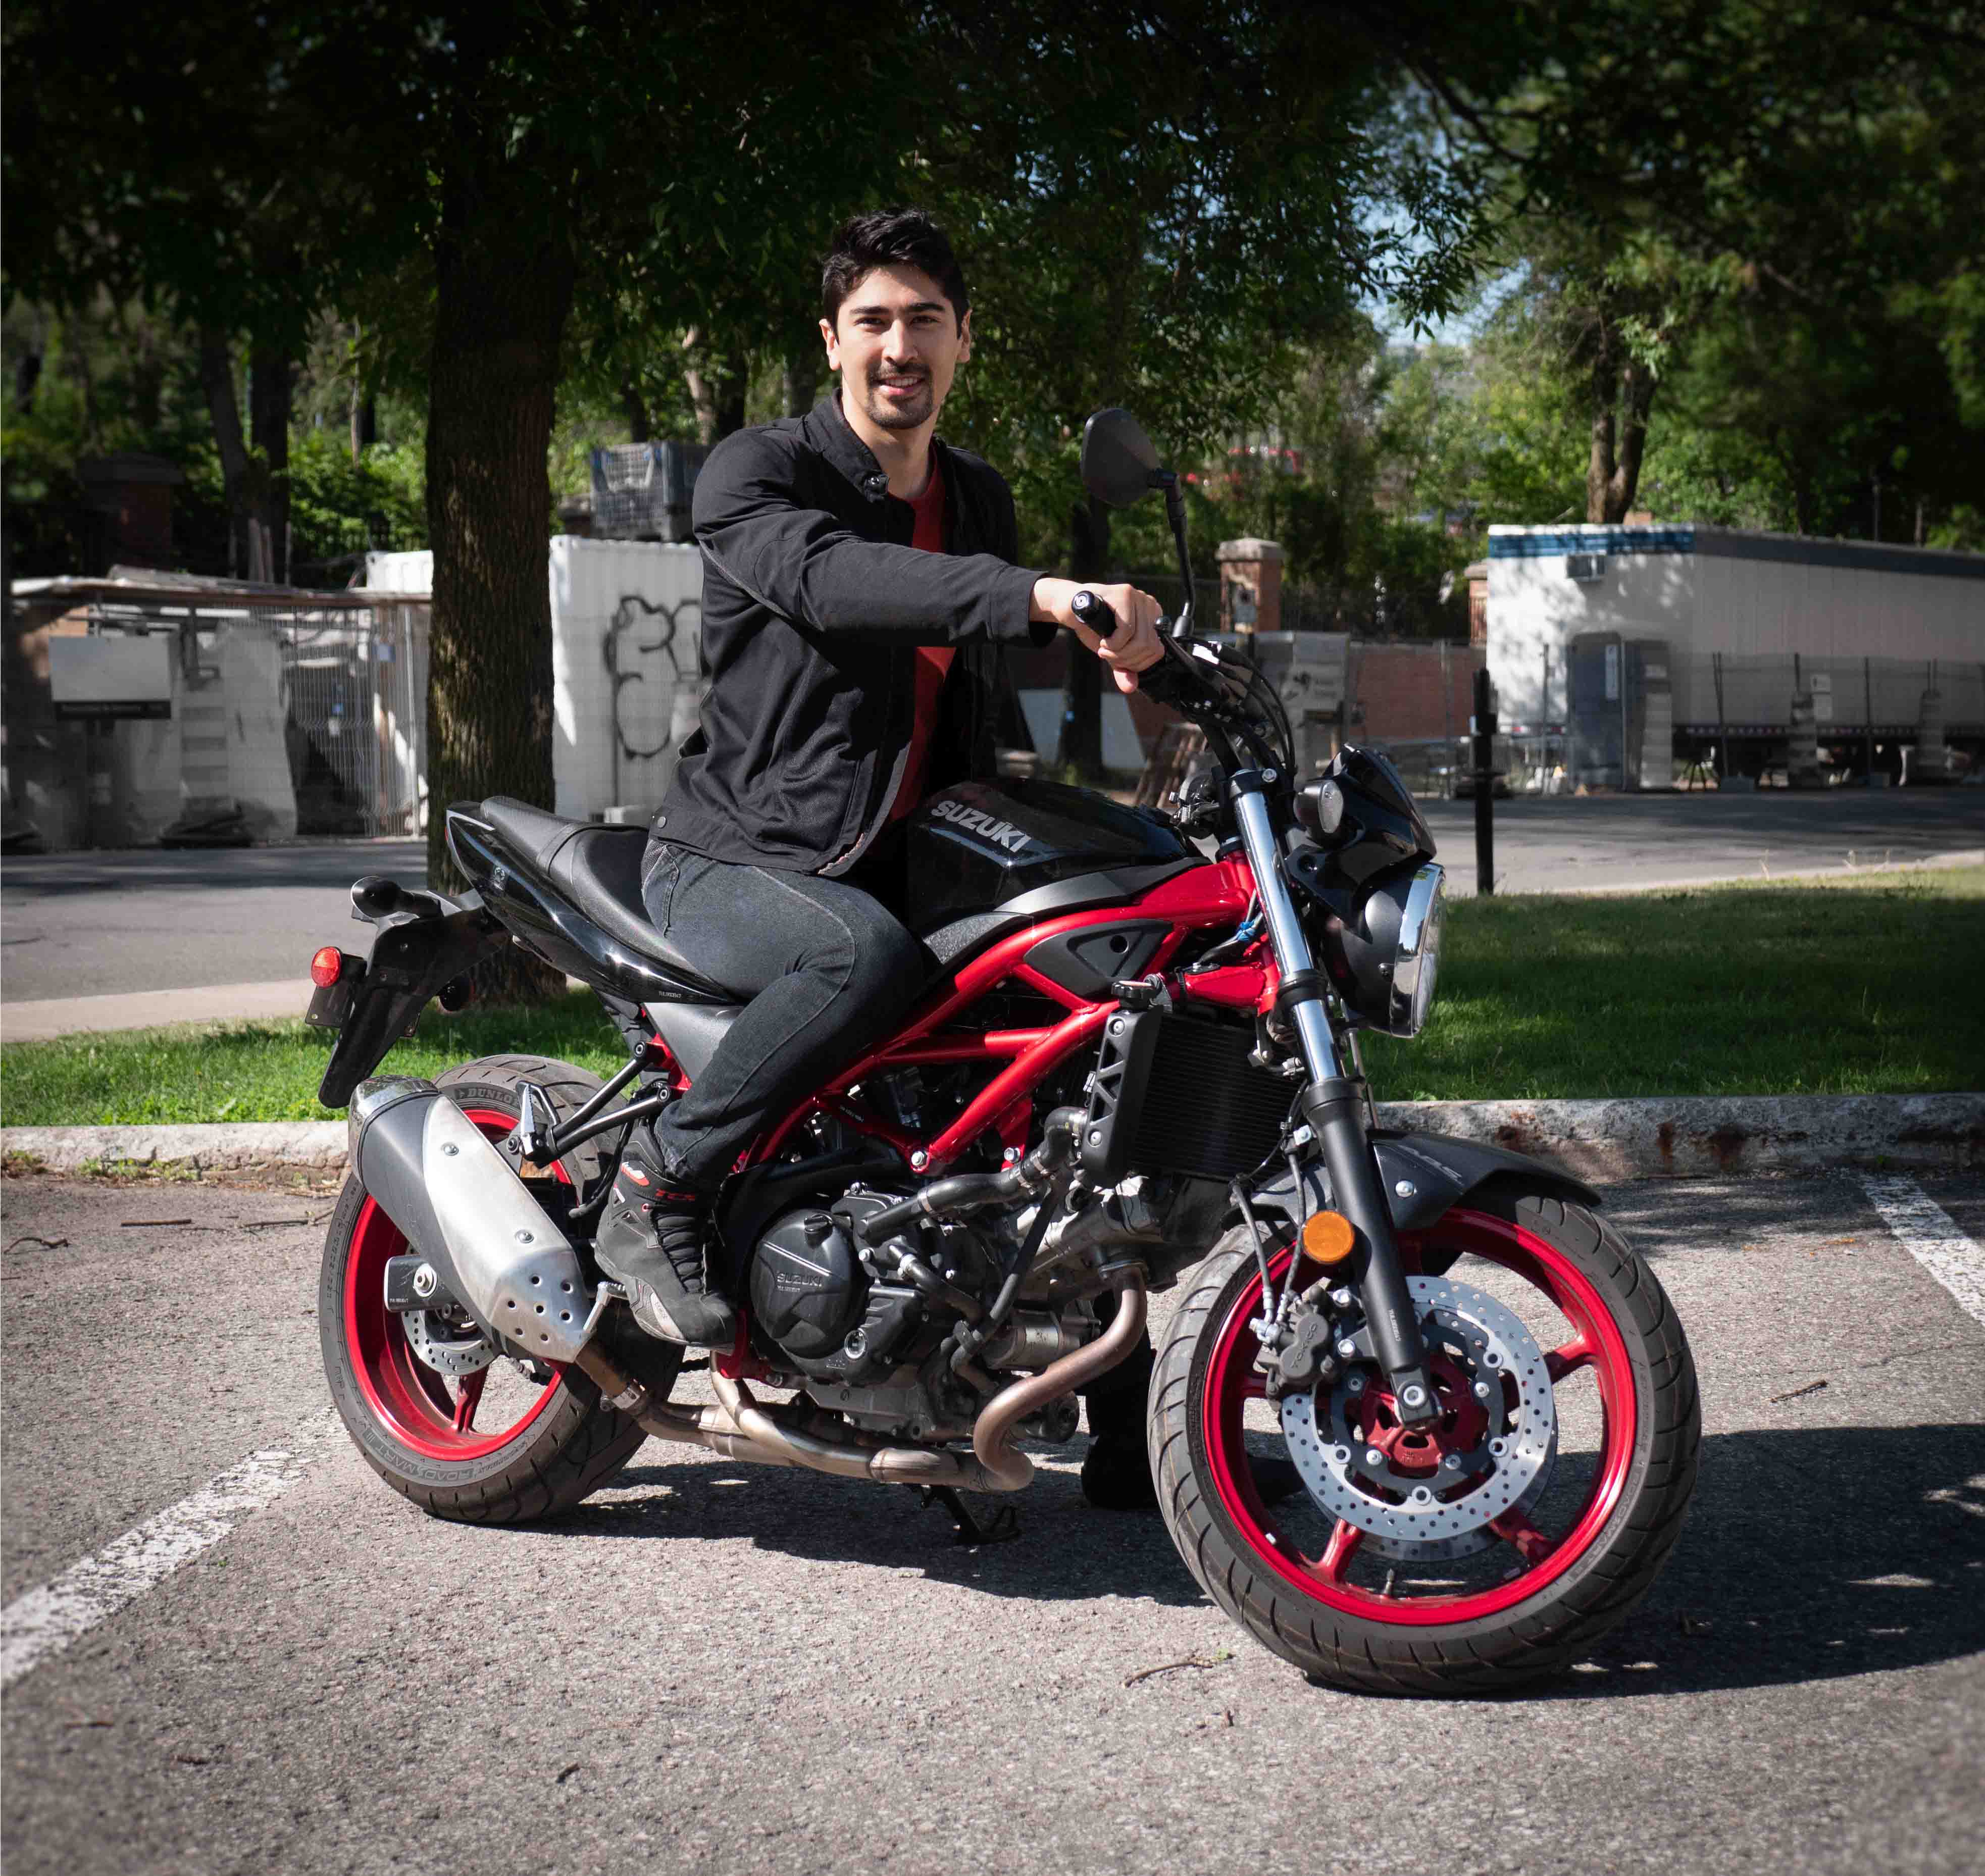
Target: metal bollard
point(1482, 725)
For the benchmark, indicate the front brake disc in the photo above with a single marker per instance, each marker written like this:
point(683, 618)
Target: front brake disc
point(1419, 1518)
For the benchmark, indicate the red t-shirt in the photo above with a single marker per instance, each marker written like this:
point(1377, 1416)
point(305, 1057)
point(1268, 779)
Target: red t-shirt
point(933, 661)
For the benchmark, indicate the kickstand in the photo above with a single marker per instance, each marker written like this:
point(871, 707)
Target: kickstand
point(1005, 1525)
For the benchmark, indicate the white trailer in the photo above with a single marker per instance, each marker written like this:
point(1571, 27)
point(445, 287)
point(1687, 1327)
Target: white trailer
point(1649, 642)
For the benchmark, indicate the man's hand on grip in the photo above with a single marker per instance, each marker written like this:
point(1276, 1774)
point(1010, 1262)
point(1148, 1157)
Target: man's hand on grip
point(1132, 647)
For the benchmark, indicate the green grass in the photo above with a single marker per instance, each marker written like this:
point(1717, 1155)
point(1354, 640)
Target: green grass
point(1871, 985)
point(1848, 986)
point(265, 1070)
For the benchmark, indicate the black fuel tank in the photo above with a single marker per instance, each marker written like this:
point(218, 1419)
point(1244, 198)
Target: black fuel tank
point(981, 843)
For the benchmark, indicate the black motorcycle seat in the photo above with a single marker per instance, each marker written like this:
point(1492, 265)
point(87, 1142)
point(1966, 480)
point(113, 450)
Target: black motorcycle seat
point(598, 868)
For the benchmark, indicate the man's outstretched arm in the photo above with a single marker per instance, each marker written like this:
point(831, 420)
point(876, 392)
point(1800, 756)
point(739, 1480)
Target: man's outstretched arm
point(809, 567)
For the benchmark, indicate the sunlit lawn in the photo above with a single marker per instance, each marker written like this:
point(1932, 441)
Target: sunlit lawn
point(1870, 985)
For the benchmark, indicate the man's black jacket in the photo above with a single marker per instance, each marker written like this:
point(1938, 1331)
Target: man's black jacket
point(814, 604)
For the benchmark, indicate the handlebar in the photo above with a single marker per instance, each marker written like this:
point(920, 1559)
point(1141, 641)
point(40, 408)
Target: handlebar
point(1094, 613)
point(1226, 696)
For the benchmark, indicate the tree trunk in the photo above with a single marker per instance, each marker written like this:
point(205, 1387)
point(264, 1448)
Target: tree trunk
point(237, 470)
point(1622, 392)
point(147, 371)
point(363, 410)
point(1637, 389)
point(1599, 468)
point(271, 390)
point(640, 427)
point(718, 379)
point(502, 291)
point(1081, 752)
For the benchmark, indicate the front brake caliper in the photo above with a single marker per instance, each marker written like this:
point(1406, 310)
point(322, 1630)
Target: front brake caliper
point(1306, 1354)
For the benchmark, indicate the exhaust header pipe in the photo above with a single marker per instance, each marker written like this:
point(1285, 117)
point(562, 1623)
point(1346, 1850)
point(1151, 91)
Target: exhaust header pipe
point(460, 1204)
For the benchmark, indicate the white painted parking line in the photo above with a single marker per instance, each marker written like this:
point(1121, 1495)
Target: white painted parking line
point(1927, 1232)
point(44, 1621)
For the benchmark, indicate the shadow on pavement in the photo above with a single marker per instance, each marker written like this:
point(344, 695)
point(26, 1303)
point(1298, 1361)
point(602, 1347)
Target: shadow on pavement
point(1066, 1551)
point(1808, 1555)
point(1812, 1555)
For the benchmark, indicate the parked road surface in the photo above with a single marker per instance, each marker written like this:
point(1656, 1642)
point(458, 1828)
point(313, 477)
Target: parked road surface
point(92, 924)
point(712, 1666)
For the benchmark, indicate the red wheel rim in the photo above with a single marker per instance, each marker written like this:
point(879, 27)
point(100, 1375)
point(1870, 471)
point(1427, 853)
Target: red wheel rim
point(1595, 1343)
point(408, 1397)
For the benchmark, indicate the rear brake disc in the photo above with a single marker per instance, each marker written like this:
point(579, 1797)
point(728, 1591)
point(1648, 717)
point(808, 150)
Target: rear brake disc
point(446, 1348)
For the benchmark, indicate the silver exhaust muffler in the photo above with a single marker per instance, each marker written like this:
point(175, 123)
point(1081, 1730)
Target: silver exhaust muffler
point(461, 1204)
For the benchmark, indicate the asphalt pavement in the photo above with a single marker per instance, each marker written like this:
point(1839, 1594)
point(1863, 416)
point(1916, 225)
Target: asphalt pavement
point(713, 1666)
point(1616, 842)
point(74, 925)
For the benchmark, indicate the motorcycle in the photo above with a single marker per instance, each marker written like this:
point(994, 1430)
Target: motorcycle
point(1137, 1068)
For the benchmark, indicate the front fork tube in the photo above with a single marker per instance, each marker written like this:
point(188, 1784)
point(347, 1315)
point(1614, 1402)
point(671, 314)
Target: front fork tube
point(1331, 1105)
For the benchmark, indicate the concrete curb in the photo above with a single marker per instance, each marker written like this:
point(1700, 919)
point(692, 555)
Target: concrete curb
point(1603, 1140)
point(1718, 1136)
point(265, 1146)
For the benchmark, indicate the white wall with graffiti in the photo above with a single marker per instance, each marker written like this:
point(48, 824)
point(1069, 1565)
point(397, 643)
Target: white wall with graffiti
point(626, 623)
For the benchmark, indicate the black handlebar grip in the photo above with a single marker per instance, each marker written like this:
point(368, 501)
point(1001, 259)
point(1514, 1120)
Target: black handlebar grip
point(1095, 613)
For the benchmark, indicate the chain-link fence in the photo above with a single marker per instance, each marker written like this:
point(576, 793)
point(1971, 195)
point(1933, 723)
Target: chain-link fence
point(1442, 767)
point(356, 685)
point(290, 713)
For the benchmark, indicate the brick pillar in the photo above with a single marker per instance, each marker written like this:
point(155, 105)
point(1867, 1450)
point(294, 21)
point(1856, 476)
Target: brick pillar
point(1250, 585)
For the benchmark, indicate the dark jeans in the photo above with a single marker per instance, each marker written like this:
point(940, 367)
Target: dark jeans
point(828, 968)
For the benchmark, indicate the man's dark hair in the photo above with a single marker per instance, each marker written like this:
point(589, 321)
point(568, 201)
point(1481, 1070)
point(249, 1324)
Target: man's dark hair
point(890, 238)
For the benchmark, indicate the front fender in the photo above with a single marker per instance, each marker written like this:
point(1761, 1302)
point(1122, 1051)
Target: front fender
point(1424, 1176)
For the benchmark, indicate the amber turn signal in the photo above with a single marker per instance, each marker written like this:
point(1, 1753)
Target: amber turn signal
point(1327, 1238)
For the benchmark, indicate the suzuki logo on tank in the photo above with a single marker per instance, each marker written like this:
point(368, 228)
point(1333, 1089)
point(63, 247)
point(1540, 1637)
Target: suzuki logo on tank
point(977, 821)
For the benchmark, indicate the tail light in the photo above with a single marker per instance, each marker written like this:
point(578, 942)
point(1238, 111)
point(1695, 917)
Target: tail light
point(328, 965)
point(338, 975)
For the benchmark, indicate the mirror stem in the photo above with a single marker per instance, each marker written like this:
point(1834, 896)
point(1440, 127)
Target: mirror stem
point(1175, 513)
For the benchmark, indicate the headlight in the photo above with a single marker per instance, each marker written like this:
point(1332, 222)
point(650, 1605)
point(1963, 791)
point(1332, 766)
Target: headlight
point(1384, 966)
point(1418, 963)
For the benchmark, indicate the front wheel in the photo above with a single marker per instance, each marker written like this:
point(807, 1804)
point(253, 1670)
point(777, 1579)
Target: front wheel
point(464, 1431)
point(1471, 1556)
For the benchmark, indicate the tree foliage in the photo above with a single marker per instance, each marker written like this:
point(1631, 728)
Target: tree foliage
point(1746, 266)
point(1741, 177)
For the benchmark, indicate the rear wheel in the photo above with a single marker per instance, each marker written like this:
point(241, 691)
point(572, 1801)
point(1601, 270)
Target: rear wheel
point(466, 1432)
point(1472, 1556)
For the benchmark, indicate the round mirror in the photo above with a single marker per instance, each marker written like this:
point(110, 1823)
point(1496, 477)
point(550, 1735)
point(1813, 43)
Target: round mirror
point(1117, 458)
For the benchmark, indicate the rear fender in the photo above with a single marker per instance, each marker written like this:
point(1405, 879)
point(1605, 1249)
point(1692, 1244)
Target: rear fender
point(412, 958)
point(1425, 1175)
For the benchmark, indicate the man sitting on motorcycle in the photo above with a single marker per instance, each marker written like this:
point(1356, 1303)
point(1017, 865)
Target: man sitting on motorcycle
point(860, 589)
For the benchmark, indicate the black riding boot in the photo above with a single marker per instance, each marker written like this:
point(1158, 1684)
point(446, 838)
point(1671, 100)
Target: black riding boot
point(651, 1240)
point(1117, 1475)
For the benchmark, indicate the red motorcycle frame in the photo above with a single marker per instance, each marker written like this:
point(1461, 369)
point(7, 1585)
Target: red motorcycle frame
point(1205, 897)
